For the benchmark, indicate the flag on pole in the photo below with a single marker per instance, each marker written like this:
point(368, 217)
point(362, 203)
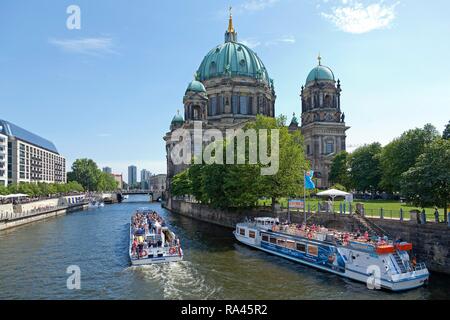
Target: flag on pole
point(309, 184)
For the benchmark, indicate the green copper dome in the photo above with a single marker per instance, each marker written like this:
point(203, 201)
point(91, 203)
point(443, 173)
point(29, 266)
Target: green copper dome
point(177, 119)
point(320, 73)
point(196, 86)
point(232, 59)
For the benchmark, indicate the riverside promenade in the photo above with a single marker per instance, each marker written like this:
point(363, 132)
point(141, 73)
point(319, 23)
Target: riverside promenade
point(14, 215)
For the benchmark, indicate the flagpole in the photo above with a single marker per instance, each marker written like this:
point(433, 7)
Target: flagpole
point(304, 196)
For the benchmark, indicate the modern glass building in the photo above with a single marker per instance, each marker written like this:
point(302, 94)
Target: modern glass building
point(29, 157)
point(107, 170)
point(132, 175)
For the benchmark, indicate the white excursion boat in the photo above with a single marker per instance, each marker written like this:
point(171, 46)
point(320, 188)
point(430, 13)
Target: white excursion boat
point(96, 204)
point(378, 262)
point(151, 241)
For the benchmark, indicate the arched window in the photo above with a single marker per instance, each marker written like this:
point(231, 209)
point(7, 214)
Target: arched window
point(213, 105)
point(329, 147)
point(235, 104)
point(243, 102)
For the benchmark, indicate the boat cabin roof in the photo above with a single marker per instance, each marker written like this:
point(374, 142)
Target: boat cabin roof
point(266, 220)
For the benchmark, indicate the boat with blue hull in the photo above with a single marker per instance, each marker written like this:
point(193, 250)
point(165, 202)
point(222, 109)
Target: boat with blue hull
point(378, 262)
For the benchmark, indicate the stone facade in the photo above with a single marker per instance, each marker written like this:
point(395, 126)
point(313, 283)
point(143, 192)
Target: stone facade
point(231, 87)
point(323, 123)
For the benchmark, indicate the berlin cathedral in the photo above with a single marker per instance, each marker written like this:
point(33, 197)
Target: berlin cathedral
point(232, 86)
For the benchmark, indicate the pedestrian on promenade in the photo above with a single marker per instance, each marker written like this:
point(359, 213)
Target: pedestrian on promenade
point(436, 214)
point(423, 216)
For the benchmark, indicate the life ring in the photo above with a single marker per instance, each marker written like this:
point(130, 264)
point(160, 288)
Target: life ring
point(172, 250)
point(144, 253)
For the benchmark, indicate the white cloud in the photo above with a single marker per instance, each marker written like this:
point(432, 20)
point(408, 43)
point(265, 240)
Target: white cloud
point(251, 43)
point(88, 46)
point(355, 16)
point(257, 5)
point(287, 39)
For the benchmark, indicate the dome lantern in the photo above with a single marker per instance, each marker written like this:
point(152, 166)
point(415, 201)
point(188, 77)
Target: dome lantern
point(230, 34)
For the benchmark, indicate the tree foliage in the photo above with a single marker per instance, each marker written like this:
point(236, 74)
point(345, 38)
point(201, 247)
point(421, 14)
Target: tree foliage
point(241, 185)
point(339, 170)
point(427, 182)
point(365, 168)
point(402, 153)
point(446, 133)
point(41, 189)
point(87, 173)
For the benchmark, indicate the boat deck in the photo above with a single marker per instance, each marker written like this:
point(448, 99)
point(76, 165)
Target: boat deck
point(151, 240)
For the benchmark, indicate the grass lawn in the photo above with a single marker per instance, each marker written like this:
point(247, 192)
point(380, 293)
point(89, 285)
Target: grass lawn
point(391, 209)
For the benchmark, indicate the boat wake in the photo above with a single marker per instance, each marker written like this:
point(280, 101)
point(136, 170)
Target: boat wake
point(179, 280)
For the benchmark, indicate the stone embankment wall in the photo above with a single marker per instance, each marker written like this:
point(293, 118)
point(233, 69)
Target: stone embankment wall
point(6, 208)
point(17, 215)
point(431, 241)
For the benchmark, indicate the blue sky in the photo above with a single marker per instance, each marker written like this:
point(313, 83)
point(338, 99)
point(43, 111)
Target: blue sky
point(109, 90)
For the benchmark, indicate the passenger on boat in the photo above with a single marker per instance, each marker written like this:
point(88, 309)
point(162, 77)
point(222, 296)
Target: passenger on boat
point(134, 246)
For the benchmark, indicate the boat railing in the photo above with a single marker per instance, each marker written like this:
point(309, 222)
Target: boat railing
point(420, 266)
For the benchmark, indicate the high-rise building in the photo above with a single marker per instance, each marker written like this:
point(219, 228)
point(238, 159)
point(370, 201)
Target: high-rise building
point(107, 170)
point(145, 177)
point(29, 157)
point(119, 180)
point(132, 176)
point(3, 159)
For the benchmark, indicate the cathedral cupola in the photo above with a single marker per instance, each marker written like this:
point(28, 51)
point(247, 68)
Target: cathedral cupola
point(195, 101)
point(321, 94)
point(320, 73)
point(177, 121)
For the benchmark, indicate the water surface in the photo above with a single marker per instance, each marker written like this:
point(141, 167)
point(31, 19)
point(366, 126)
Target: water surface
point(34, 259)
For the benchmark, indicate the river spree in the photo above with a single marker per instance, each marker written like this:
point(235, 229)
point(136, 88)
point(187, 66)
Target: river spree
point(34, 259)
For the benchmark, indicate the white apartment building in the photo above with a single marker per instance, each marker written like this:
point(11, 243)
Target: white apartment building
point(3, 159)
point(31, 158)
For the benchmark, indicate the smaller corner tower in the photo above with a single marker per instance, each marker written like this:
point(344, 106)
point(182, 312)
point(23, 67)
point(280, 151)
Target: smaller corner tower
point(195, 102)
point(323, 122)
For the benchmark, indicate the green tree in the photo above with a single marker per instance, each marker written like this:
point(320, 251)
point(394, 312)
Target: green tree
point(427, 182)
point(3, 190)
point(242, 186)
point(365, 168)
point(86, 173)
point(446, 134)
point(339, 170)
point(402, 153)
point(288, 180)
point(106, 182)
point(181, 184)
